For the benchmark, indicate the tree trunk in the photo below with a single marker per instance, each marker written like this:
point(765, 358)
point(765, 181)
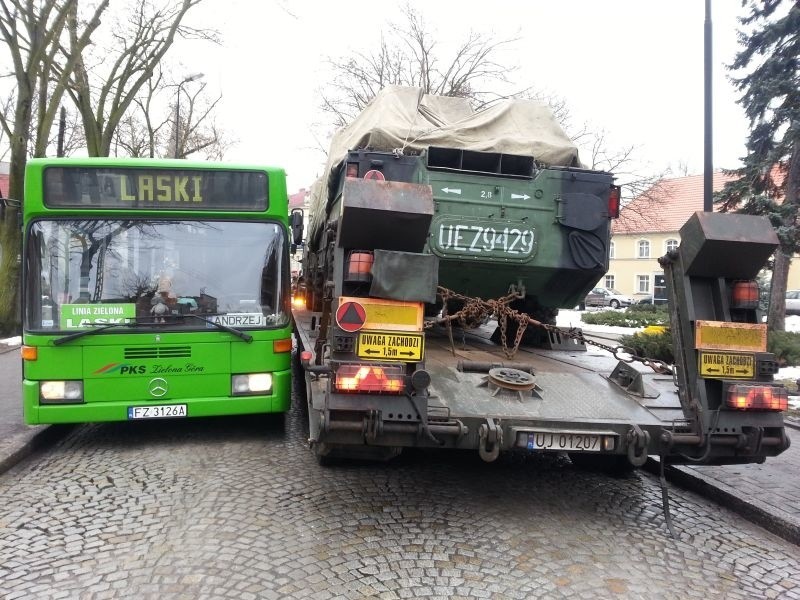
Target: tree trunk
point(776, 317)
point(10, 239)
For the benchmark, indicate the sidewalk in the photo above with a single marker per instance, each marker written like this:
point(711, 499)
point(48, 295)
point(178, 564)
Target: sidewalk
point(767, 494)
point(17, 440)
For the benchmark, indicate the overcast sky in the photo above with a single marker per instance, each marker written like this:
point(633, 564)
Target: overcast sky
point(631, 67)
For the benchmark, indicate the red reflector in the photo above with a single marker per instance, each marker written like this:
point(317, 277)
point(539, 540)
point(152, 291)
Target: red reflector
point(369, 378)
point(744, 294)
point(305, 356)
point(352, 170)
point(613, 202)
point(757, 397)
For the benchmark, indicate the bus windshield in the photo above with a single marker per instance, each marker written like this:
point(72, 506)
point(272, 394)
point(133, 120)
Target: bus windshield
point(84, 273)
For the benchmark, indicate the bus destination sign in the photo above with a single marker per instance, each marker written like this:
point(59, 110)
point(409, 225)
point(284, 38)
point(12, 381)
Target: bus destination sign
point(154, 188)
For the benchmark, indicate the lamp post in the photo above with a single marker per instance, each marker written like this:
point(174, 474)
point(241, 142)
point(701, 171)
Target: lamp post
point(187, 79)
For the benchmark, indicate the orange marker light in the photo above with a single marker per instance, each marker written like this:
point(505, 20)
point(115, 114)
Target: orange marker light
point(30, 353)
point(284, 345)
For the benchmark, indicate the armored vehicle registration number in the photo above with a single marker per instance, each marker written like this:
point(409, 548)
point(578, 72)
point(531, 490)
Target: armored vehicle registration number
point(516, 242)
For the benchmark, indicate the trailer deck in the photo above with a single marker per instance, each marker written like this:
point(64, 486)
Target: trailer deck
point(573, 399)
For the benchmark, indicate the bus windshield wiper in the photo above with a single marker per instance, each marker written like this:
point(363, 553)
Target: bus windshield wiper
point(79, 334)
point(238, 333)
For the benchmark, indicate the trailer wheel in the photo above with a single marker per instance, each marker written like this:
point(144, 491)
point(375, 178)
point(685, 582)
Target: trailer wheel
point(322, 452)
point(328, 454)
point(610, 464)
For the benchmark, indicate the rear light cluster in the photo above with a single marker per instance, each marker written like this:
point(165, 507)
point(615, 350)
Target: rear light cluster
point(614, 202)
point(745, 294)
point(757, 397)
point(369, 379)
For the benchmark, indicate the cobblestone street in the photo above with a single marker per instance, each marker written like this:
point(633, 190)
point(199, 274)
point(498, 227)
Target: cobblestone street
point(238, 508)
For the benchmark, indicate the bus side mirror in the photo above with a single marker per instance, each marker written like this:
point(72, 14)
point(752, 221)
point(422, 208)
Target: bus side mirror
point(296, 220)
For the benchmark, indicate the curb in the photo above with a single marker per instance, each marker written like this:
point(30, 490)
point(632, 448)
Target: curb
point(48, 436)
point(751, 509)
point(4, 349)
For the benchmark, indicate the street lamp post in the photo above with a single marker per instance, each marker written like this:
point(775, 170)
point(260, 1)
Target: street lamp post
point(187, 79)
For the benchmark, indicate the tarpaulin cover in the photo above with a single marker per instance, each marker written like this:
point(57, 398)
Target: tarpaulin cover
point(407, 120)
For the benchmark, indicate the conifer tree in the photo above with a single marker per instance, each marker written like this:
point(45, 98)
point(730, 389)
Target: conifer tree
point(769, 181)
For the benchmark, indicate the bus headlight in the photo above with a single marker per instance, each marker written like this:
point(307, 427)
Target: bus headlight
point(60, 392)
point(252, 383)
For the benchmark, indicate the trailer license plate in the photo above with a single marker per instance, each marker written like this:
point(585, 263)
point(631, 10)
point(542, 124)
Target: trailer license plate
point(553, 440)
point(162, 411)
point(385, 345)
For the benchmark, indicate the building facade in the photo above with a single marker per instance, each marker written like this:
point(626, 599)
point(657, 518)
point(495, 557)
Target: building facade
point(648, 227)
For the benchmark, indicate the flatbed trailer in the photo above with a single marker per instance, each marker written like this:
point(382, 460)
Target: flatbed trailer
point(717, 405)
point(574, 404)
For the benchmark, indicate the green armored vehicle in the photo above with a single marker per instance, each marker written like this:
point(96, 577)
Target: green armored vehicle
point(512, 209)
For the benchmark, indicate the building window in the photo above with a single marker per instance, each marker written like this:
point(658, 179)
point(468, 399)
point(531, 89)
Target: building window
point(644, 249)
point(671, 245)
point(609, 282)
point(643, 284)
point(611, 252)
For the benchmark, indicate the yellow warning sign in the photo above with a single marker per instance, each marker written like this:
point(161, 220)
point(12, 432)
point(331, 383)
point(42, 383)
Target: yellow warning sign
point(724, 335)
point(389, 314)
point(728, 365)
point(388, 345)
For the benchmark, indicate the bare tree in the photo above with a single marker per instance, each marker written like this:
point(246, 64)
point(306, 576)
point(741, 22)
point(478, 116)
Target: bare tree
point(198, 132)
point(148, 131)
point(102, 94)
point(32, 32)
point(409, 55)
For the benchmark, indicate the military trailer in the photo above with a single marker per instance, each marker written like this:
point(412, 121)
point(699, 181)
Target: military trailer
point(426, 264)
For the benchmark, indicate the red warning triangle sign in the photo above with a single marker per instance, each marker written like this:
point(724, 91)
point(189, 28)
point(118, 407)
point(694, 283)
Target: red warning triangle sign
point(351, 316)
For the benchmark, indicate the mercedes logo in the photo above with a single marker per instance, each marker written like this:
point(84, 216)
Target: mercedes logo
point(157, 387)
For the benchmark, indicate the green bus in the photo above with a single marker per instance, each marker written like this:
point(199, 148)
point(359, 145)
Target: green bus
point(154, 289)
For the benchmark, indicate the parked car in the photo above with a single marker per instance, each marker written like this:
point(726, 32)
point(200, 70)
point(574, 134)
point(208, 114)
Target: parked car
point(607, 297)
point(649, 300)
point(793, 302)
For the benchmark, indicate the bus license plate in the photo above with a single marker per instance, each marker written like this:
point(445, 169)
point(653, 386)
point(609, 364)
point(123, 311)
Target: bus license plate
point(162, 411)
point(554, 440)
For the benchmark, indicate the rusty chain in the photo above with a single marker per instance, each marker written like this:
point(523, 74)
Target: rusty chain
point(476, 310)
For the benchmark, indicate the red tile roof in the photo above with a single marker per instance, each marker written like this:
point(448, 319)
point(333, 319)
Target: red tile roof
point(666, 206)
point(296, 200)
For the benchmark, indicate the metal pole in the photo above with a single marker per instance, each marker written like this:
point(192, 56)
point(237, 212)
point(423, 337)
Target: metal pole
point(708, 163)
point(178, 118)
point(62, 125)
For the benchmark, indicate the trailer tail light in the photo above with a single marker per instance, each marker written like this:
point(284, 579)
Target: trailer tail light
point(757, 397)
point(613, 202)
point(352, 170)
point(369, 379)
point(744, 294)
